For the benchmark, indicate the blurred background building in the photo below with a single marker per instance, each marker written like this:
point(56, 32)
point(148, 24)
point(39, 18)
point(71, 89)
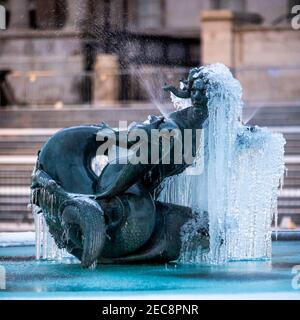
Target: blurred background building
point(70, 62)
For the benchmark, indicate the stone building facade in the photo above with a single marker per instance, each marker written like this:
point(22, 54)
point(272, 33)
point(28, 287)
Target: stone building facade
point(59, 51)
point(266, 59)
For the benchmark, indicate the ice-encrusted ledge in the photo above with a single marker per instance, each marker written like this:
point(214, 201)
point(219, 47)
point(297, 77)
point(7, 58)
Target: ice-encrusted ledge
point(14, 239)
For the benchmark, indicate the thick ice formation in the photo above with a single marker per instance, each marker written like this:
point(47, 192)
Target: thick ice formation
point(239, 184)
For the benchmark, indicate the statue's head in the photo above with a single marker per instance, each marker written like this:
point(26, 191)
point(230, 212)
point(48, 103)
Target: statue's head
point(193, 88)
point(198, 93)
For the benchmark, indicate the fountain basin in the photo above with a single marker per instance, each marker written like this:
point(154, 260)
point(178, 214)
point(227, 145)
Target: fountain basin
point(27, 278)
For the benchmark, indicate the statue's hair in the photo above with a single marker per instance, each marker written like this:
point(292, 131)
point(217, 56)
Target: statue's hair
point(219, 83)
point(218, 80)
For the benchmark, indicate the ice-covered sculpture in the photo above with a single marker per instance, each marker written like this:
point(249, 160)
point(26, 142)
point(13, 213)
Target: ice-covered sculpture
point(234, 198)
point(196, 185)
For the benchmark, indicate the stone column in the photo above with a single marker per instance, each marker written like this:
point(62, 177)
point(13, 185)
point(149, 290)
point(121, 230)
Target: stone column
point(76, 13)
point(106, 84)
point(217, 37)
point(19, 15)
point(2, 18)
point(217, 34)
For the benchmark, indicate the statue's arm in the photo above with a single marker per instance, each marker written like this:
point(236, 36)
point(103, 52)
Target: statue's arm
point(139, 133)
point(119, 138)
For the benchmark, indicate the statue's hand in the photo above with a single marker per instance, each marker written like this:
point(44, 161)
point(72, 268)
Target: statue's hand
point(107, 133)
point(103, 125)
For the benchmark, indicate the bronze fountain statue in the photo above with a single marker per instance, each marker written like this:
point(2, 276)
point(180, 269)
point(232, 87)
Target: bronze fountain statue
point(114, 217)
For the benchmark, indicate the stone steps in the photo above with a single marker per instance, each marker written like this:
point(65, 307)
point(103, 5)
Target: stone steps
point(70, 116)
point(18, 148)
point(14, 206)
point(15, 192)
point(28, 143)
point(9, 177)
point(51, 118)
point(273, 116)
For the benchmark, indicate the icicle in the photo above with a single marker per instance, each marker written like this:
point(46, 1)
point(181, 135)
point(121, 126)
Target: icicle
point(238, 185)
point(37, 221)
point(93, 266)
point(45, 242)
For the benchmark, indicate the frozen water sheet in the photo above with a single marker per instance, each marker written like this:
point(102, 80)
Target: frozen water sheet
point(238, 187)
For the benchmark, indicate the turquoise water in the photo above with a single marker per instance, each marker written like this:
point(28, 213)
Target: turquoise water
point(27, 278)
